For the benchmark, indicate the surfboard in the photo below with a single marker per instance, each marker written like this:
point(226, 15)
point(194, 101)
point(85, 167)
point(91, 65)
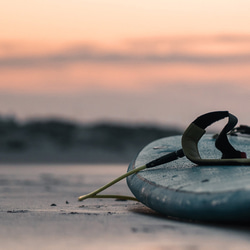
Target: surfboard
point(184, 190)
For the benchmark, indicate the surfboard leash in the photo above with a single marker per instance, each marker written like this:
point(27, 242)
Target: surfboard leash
point(190, 139)
point(159, 161)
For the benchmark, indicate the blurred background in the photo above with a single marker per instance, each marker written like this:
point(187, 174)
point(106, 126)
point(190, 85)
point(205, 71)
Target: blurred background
point(140, 63)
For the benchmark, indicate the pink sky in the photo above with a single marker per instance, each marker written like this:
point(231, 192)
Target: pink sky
point(123, 54)
point(112, 20)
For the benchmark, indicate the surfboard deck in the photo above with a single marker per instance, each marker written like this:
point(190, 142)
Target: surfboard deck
point(184, 190)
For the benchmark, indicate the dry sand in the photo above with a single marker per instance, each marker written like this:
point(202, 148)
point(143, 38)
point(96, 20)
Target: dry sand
point(39, 210)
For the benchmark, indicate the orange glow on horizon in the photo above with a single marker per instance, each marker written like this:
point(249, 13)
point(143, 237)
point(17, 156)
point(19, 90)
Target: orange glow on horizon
point(129, 78)
point(163, 61)
point(35, 35)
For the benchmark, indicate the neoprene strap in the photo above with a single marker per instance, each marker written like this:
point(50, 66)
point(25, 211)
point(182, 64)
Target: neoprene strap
point(196, 130)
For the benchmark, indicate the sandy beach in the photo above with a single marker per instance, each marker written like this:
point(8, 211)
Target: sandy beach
point(39, 210)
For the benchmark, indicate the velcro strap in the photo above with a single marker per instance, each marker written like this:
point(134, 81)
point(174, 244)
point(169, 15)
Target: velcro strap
point(196, 130)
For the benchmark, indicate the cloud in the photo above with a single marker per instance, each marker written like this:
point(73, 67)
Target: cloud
point(87, 54)
point(63, 59)
point(191, 40)
point(233, 38)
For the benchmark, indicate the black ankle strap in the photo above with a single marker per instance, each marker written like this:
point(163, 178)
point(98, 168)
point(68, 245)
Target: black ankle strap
point(196, 130)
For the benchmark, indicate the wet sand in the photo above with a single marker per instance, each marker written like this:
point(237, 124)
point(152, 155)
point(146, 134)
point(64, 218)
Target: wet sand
point(39, 210)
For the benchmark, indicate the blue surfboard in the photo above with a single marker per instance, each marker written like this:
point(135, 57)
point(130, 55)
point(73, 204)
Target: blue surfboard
point(184, 190)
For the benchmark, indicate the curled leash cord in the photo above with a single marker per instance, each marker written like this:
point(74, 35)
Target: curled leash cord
point(242, 129)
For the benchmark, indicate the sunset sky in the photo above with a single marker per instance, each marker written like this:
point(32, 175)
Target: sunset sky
point(135, 61)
